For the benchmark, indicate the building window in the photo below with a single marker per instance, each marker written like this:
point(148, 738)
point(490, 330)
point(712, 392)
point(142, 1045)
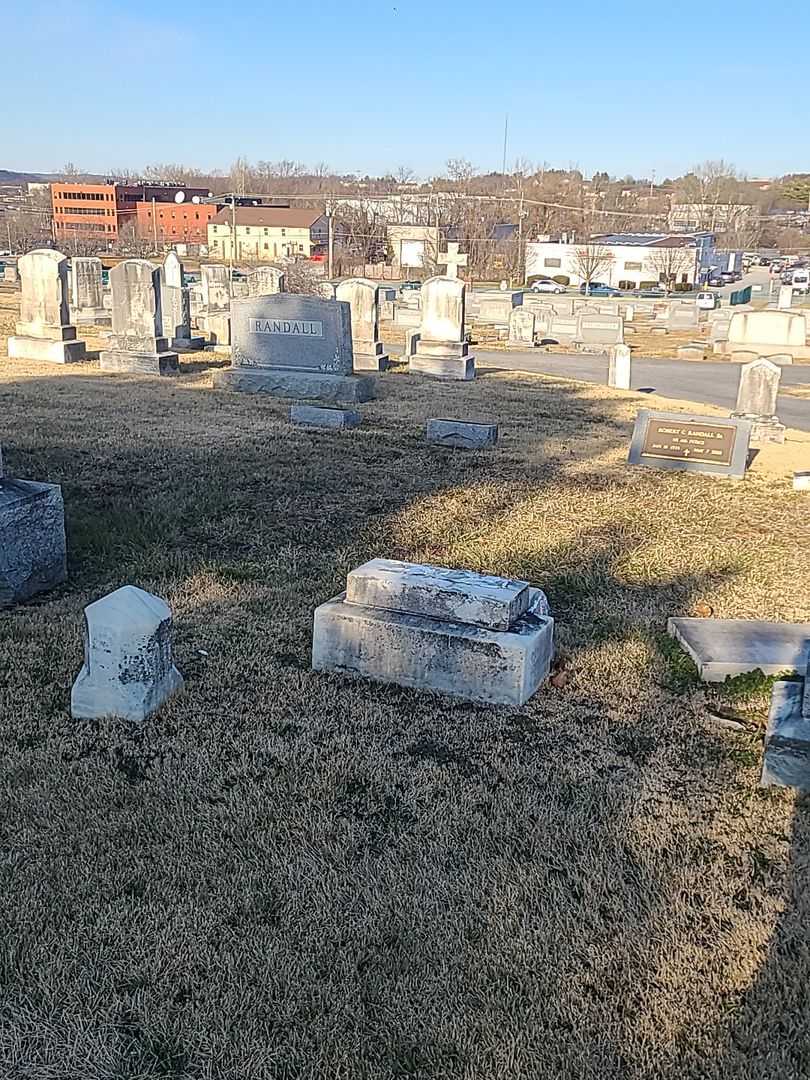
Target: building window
point(283, 232)
point(552, 262)
point(632, 266)
point(266, 245)
point(247, 228)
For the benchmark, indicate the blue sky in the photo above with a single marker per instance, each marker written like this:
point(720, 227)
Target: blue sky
point(368, 85)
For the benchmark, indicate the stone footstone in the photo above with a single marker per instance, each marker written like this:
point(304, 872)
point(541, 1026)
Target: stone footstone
point(313, 416)
point(296, 384)
point(32, 539)
point(723, 648)
point(801, 481)
point(128, 670)
point(51, 352)
point(787, 737)
point(139, 363)
point(477, 637)
point(462, 434)
point(459, 369)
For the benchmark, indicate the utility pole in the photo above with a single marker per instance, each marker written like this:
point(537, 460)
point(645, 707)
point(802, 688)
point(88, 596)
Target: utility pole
point(154, 226)
point(233, 242)
point(505, 136)
point(329, 220)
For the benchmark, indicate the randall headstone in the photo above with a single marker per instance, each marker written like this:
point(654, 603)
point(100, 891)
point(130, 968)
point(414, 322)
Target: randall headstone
point(44, 331)
point(294, 347)
point(442, 350)
point(137, 342)
point(362, 296)
point(756, 400)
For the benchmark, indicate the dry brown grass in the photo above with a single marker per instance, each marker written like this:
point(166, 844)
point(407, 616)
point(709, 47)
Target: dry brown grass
point(291, 875)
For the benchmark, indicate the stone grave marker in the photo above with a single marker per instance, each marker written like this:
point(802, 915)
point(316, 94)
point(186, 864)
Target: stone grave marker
point(294, 346)
point(596, 333)
point(786, 762)
point(266, 281)
point(462, 434)
point(33, 556)
point(215, 316)
point(175, 306)
point(767, 332)
point(442, 349)
point(318, 417)
point(44, 331)
point(723, 648)
point(137, 343)
point(474, 636)
point(682, 317)
point(361, 295)
point(701, 444)
point(619, 367)
point(756, 400)
point(522, 327)
point(785, 299)
point(87, 291)
point(452, 259)
point(128, 670)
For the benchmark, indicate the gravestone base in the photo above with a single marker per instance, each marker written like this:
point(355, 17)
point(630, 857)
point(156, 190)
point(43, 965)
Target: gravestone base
point(46, 349)
point(443, 360)
point(767, 431)
point(591, 347)
point(371, 361)
point(787, 739)
point(462, 434)
point(496, 667)
point(334, 419)
point(91, 316)
point(189, 344)
point(32, 540)
point(139, 363)
point(289, 383)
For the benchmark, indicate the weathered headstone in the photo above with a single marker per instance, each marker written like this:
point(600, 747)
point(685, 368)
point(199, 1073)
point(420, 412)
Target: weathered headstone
point(756, 400)
point(495, 309)
point(702, 444)
point(215, 317)
point(128, 670)
point(786, 762)
point(32, 538)
point(619, 367)
point(44, 331)
point(294, 346)
point(318, 417)
point(785, 299)
point(361, 295)
point(175, 306)
point(597, 333)
point(682, 317)
point(87, 291)
point(522, 327)
point(442, 349)
point(137, 342)
point(767, 332)
point(481, 638)
point(266, 281)
point(462, 434)
point(801, 481)
point(723, 648)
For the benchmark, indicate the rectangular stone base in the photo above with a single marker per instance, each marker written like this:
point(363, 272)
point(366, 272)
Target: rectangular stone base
point(371, 362)
point(313, 416)
point(163, 363)
point(787, 739)
point(52, 352)
point(459, 368)
point(498, 667)
point(727, 647)
point(285, 383)
point(189, 344)
point(462, 434)
point(91, 316)
point(767, 431)
point(32, 540)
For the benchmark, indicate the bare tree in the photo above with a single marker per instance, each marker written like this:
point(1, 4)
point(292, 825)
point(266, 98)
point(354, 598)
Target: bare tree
point(404, 174)
point(589, 260)
point(668, 263)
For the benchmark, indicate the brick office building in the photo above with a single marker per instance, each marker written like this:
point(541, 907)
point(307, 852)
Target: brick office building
point(167, 213)
point(174, 223)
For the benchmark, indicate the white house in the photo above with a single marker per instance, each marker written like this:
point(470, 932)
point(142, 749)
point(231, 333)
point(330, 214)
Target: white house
point(623, 260)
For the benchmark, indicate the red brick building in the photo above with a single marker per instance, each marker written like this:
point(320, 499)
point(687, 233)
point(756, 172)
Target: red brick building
point(165, 213)
point(174, 223)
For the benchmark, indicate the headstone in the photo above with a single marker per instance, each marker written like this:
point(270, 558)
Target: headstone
point(294, 346)
point(785, 300)
point(694, 350)
point(562, 329)
point(266, 281)
point(386, 298)
point(215, 317)
point(412, 338)
point(410, 318)
point(596, 333)
point(495, 309)
point(327, 289)
point(452, 260)
point(723, 648)
point(786, 762)
point(44, 331)
point(314, 416)
point(175, 306)
point(462, 434)
point(701, 444)
point(767, 332)
point(87, 291)
point(801, 481)
point(481, 638)
point(619, 367)
point(682, 317)
point(128, 670)
point(361, 296)
point(522, 327)
point(756, 400)
point(10, 274)
point(442, 349)
point(32, 539)
point(137, 343)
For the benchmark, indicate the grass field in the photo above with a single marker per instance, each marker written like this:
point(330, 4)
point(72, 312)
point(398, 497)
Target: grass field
point(291, 875)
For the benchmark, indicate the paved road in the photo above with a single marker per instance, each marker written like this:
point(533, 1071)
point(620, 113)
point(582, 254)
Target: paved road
point(714, 384)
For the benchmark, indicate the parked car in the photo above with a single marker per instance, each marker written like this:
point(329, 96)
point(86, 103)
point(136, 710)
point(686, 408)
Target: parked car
point(594, 285)
point(728, 277)
point(548, 287)
point(654, 293)
point(801, 280)
point(406, 286)
point(707, 300)
point(604, 290)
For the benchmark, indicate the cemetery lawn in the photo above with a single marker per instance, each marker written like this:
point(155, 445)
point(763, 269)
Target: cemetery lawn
point(293, 875)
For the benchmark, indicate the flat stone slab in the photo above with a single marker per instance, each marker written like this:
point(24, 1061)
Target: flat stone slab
point(463, 434)
point(726, 647)
point(787, 739)
point(189, 344)
point(457, 368)
point(313, 416)
point(32, 540)
point(497, 667)
point(801, 481)
point(439, 593)
point(371, 362)
point(51, 352)
point(296, 384)
point(163, 363)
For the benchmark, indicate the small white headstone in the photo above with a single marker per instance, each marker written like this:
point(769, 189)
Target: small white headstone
point(128, 670)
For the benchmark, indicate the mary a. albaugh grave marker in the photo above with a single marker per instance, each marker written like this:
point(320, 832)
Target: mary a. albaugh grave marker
point(715, 446)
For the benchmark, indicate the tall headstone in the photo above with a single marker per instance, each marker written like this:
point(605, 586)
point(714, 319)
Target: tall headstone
point(137, 342)
point(756, 400)
point(442, 349)
point(215, 313)
point(128, 670)
point(87, 291)
point(266, 281)
point(294, 347)
point(44, 331)
point(785, 299)
point(175, 306)
point(522, 327)
point(32, 538)
point(362, 297)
